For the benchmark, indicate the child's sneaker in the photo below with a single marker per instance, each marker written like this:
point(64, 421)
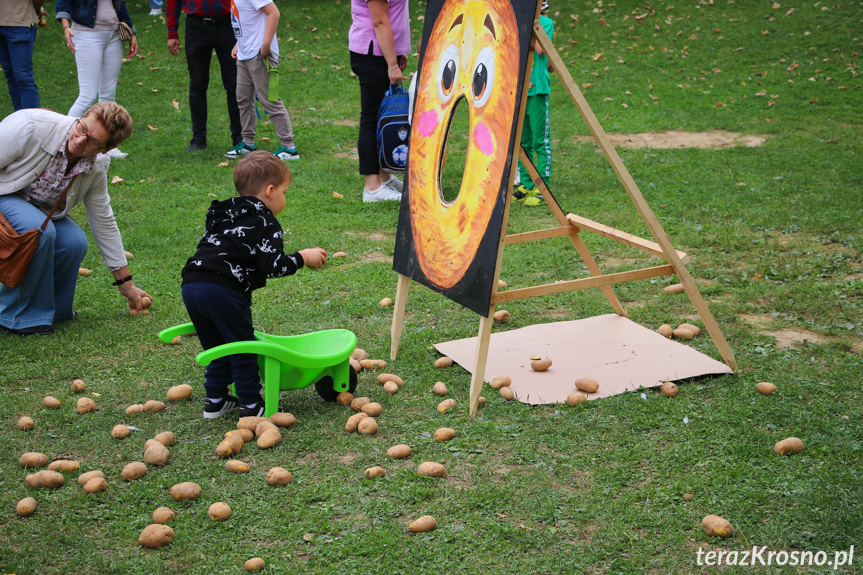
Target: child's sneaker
point(521, 192)
point(257, 410)
point(285, 153)
point(396, 184)
point(213, 410)
point(383, 193)
point(239, 151)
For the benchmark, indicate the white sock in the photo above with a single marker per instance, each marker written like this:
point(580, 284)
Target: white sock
point(216, 401)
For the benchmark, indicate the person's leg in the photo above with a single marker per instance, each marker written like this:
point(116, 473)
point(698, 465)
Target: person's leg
point(155, 7)
point(89, 49)
point(16, 58)
point(246, 102)
point(70, 247)
point(541, 130)
point(30, 303)
point(199, 50)
point(223, 41)
point(7, 35)
point(374, 81)
point(276, 110)
point(112, 61)
point(522, 177)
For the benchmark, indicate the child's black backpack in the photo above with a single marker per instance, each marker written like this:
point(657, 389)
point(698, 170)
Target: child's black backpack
point(393, 131)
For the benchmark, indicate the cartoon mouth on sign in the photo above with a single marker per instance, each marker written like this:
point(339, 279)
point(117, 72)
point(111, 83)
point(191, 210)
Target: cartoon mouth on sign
point(472, 60)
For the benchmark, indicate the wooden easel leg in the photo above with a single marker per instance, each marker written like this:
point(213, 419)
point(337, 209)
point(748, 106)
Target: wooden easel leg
point(398, 314)
point(709, 322)
point(480, 359)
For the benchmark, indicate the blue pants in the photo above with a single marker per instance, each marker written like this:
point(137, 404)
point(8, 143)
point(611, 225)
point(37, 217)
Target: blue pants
point(16, 57)
point(45, 294)
point(224, 315)
point(155, 4)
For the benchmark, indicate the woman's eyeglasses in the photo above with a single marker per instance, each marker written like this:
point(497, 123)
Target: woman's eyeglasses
point(91, 141)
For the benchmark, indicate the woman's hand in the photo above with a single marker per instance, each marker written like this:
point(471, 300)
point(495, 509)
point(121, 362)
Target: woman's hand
point(134, 295)
point(395, 74)
point(68, 33)
point(133, 46)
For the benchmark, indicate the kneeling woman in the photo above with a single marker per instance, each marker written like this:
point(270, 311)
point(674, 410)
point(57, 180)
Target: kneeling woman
point(42, 155)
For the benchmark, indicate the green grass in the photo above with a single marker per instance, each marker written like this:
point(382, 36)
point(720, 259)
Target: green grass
point(774, 232)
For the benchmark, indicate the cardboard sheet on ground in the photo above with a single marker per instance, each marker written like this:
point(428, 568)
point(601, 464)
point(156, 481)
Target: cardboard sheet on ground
point(620, 354)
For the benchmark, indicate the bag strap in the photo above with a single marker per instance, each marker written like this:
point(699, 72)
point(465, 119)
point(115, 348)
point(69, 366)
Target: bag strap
point(57, 203)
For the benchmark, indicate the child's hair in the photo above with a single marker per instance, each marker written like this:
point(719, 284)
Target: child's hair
point(257, 170)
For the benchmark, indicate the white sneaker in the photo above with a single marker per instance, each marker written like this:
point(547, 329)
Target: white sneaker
point(116, 153)
point(383, 193)
point(395, 183)
point(155, 12)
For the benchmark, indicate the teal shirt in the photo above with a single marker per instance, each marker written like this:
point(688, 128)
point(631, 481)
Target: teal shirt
point(540, 79)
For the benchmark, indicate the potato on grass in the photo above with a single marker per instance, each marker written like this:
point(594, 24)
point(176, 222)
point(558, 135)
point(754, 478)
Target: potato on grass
point(26, 507)
point(715, 525)
point(359, 354)
point(283, 419)
point(443, 362)
point(237, 466)
point(95, 485)
point(669, 389)
point(575, 398)
point(156, 535)
point(386, 302)
point(391, 387)
point(156, 454)
point(180, 392)
point(135, 408)
point(788, 446)
point(154, 406)
point(270, 438)
point(344, 398)
point(355, 364)
point(501, 381)
point(372, 364)
point(263, 426)
point(440, 389)
point(85, 477)
point(278, 476)
point(185, 490)
point(51, 402)
point(64, 465)
point(229, 446)
point(765, 387)
point(163, 514)
point(385, 377)
point(26, 423)
point(245, 434)
point(587, 384)
point(219, 511)
point(120, 431)
point(354, 421)
point(85, 405)
point(431, 469)
point(33, 459)
point(423, 524)
point(446, 405)
point(375, 472)
point(372, 409)
point(250, 422)
point(501, 316)
point(399, 451)
point(683, 333)
point(674, 289)
point(78, 386)
point(255, 563)
point(444, 434)
point(368, 426)
point(44, 478)
point(166, 438)
point(665, 330)
point(134, 470)
point(696, 331)
point(507, 393)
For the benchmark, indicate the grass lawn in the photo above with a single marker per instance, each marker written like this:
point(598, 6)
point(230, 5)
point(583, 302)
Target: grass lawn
point(775, 233)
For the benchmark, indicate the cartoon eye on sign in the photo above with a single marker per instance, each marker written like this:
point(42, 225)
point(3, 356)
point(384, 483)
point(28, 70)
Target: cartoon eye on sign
point(471, 59)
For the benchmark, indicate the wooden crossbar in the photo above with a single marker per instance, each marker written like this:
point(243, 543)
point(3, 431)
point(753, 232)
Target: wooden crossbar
point(540, 235)
point(622, 237)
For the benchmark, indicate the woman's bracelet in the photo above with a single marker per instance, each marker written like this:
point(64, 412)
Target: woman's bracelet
point(392, 67)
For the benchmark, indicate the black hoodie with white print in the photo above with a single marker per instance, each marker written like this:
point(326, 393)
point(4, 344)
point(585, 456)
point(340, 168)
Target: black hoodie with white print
point(242, 247)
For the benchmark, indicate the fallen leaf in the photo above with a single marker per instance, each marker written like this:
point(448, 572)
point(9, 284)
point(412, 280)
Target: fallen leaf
point(155, 90)
point(758, 277)
point(337, 195)
point(155, 67)
point(265, 139)
point(597, 56)
point(152, 127)
point(176, 103)
point(116, 180)
point(740, 184)
point(223, 164)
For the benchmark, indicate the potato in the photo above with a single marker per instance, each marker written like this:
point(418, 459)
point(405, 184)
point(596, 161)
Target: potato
point(665, 330)
point(344, 398)
point(51, 402)
point(237, 466)
point(440, 388)
point(683, 333)
point(136, 408)
point(399, 451)
point(391, 387)
point(442, 362)
point(134, 470)
point(270, 438)
point(180, 392)
point(219, 511)
point(669, 389)
point(696, 331)
point(25, 423)
point(78, 386)
point(166, 438)
point(482, 400)
point(85, 477)
point(501, 316)
point(444, 434)
point(256, 563)
point(501, 284)
point(788, 446)
point(540, 364)
point(26, 507)
point(372, 409)
point(446, 405)
point(501, 381)
point(283, 419)
point(95, 485)
point(229, 446)
point(154, 406)
point(85, 405)
point(84, 272)
point(386, 302)
point(245, 434)
point(765, 387)
point(717, 526)
point(431, 469)
point(674, 289)
point(250, 422)
point(507, 393)
point(423, 524)
point(354, 421)
point(156, 454)
point(278, 476)
point(265, 425)
point(64, 465)
point(146, 301)
point(33, 459)
point(120, 431)
point(44, 478)
point(339, 254)
point(156, 535)
point(355, 364)
point(163, 514)
point(368, 426)
point(186, 490)
point(373, 364)
point(587, 384)
point(385, 377)
point(375, 472)
point(359, 354)
point(688, 496)
point(176, 341)
point(575, 398)
point(148, 443)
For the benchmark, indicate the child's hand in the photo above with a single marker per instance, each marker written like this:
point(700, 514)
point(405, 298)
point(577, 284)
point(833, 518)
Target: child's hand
point(314, 258)
point(265, 50)
point(234, 51)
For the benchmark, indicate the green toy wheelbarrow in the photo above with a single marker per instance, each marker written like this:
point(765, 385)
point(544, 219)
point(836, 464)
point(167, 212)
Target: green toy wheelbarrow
point(290, 361)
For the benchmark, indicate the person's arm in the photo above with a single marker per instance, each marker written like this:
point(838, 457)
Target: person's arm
point(63, 13)
point(273, 16)
point(15, 134)
point(380, 11)
point(172, 18)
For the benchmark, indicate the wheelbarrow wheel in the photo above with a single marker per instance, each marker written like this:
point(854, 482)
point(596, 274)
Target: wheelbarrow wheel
point(324, 386)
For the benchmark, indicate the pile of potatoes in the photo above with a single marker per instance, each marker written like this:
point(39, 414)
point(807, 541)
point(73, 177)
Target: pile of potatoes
point(360, 361)
point(684, 331)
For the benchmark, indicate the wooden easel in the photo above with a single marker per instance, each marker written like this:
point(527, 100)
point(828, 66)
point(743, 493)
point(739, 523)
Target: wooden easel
point(572, 225)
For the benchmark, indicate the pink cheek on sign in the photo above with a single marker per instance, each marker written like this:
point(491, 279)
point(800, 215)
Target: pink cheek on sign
point(427, 123)
point(482, 139)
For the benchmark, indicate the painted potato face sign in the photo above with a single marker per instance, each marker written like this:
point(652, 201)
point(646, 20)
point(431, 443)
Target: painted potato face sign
point(474, 56)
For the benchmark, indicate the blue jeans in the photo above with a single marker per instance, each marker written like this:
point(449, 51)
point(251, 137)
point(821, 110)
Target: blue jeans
point(155, 4)
point(45, 294)
point(16, 57)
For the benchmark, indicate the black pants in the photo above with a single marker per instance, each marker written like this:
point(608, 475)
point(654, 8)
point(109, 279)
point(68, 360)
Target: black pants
point(374, 82)
point(201, 39)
